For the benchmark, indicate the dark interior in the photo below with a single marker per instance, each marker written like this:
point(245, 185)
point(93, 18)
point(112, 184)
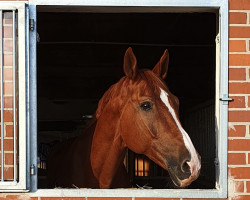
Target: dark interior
point(80, 55)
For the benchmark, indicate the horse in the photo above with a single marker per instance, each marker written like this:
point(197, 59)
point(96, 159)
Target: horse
point(138, 112)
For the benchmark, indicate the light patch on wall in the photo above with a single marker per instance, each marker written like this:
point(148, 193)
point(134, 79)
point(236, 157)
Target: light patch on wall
point(231, 127)
point(24, 197)
point(231, 187)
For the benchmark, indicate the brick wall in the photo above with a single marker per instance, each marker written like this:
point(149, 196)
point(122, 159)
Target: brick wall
point(239, 109)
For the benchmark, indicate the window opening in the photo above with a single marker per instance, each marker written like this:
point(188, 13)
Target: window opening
point(80, 55)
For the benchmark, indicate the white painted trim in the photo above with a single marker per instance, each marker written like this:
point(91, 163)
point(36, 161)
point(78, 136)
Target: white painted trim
point(132, 3)
point(157, 193)
point(222, 143)
point(151, 6)
point(21, 184)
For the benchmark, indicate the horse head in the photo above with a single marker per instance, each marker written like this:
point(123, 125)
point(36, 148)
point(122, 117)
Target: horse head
point(147, 121)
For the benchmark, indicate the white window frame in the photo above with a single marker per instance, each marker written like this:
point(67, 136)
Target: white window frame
point(22, 182)
point(221, 96)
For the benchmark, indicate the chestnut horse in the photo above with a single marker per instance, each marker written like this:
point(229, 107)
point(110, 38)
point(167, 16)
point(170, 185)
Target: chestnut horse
point(138, 112)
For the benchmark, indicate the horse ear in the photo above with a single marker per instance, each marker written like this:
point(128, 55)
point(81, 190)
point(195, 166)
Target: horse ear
point(161, 67)
point(130, 64)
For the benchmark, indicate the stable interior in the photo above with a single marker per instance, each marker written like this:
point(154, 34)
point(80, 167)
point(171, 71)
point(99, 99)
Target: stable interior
point(80, 55)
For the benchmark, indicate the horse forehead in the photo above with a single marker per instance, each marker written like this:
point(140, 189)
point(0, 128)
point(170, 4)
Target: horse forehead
point(166, 96)
point(133, 89)
point(145, 84)
point(145, 88)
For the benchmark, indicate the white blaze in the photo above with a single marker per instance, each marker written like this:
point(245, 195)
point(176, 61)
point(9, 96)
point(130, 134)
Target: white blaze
point(195, 162)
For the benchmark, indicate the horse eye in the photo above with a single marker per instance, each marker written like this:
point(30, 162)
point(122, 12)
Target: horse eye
point(146, 106)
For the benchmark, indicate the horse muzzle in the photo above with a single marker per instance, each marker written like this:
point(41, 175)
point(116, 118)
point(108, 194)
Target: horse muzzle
point(184, 174)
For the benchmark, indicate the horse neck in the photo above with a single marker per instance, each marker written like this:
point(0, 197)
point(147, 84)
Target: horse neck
point(108, 149)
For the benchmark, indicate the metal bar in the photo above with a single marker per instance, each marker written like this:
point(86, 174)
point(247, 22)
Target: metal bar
point(137, 165)
point(30, 171)
point(14, 90)
point(122, 43)
point(32, 97)
point(223, 115)
point(143, 166)
point(2, 104)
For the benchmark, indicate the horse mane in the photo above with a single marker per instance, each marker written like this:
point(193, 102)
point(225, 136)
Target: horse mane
point(108, 96)
point(120, 89)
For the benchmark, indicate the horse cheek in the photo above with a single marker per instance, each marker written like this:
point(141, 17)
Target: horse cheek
point(132, 131)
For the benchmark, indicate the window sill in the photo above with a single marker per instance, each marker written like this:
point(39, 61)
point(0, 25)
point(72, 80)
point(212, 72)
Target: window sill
point(157, 193)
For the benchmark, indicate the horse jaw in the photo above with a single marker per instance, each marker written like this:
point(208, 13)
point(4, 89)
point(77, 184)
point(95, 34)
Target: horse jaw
point(194, 163)
point(107, 151)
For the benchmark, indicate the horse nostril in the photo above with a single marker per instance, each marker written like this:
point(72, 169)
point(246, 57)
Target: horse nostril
point(185, 167)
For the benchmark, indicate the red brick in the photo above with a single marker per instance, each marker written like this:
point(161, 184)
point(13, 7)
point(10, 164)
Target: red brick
point(239, 32)
point(8, 173)
point(237, 45)
point(9, 130)
point(7, 46)
point(238, 102)
point(8, 102)
point(237, 131)
point(239, 59)
point(7, 60)
point(8, 144)
point(8, 116)
point(8, 88)
point(236, 159)
point(248, 158)
point(8, 74)
point(240, 172)
point(156, 198)
point(239, 88)
point(238, 74)
point(237, 18)
point(62, 198)
point(9, 158)
point(239, 116)
point(27, 196)
point(241, 197)
point(248, 186)
point(109, 198)
point(17, 197)
point(239, 5)
point(238, 145)
point(239, 186)
point(201, 199)
point(7, 31)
